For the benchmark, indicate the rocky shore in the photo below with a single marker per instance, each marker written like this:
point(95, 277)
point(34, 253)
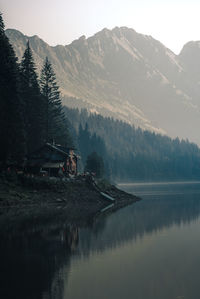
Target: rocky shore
point(75, 200)
point(22, 190)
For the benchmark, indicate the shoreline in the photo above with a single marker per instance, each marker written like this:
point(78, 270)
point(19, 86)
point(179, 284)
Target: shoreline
point(21, 191)
point(24, 204)
point(158, 182)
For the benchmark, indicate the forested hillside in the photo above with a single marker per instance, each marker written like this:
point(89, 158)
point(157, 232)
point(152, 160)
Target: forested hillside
point(130, 153)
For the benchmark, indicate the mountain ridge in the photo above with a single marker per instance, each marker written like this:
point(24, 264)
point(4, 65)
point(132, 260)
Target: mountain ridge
point(126, 75)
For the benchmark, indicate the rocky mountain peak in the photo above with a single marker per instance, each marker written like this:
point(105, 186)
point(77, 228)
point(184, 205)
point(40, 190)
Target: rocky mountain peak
point(190, 59)
point(126, 75)
point(190, 47)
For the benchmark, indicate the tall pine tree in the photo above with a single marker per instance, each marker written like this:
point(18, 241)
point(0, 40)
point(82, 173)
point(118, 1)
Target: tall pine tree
point(55, 122)
point(12, 149)
point(95, 164)
point(33, 105)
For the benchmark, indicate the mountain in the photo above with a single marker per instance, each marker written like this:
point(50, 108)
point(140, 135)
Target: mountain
point(127, 75)
point(190, 59)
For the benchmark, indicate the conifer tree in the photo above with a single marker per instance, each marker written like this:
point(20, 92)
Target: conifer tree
point(84, 142)
point(32, 101)
point(11, 122)
point(55, 123)
point(95, 164)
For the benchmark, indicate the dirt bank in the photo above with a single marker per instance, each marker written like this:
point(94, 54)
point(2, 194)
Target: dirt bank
point(21, 190)
point(32, 200)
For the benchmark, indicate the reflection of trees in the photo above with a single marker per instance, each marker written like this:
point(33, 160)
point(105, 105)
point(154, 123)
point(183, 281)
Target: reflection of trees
point(35, 259)
point(146, 216)
point(32, 265)
point(71, 237)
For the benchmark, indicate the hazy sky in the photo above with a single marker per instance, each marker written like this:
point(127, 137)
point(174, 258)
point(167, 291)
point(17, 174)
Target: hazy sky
point(173, 22)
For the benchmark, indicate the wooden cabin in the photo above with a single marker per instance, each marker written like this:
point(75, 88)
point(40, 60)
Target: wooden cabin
point(53, 160)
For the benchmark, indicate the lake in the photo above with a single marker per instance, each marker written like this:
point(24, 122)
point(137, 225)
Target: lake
point(150, 249)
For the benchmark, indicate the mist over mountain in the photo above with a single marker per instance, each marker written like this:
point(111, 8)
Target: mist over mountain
point(126, 75)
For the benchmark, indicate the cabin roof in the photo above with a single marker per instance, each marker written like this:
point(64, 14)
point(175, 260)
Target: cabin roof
point(58, 149)
point(49, 153)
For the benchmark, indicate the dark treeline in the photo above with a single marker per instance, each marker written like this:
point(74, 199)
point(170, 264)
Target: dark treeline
point(30, 107)
point(133, 154)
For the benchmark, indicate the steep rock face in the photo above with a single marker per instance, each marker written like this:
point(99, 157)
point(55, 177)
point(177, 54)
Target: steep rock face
point(126, 75)
point(190, 59)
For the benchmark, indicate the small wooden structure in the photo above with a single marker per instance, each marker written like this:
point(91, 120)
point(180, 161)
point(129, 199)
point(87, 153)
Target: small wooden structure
point(53, 160)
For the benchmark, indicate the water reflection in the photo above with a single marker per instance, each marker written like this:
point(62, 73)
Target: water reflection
point(31, 265)
point(178, 204)
point(44, 259)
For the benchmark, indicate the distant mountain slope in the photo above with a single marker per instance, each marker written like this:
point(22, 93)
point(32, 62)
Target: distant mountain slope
point(126, 75)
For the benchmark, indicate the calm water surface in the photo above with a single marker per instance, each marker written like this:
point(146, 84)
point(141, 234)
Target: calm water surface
point(150, 249)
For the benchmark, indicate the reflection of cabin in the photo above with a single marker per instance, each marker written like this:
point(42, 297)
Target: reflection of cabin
point(53, 160)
